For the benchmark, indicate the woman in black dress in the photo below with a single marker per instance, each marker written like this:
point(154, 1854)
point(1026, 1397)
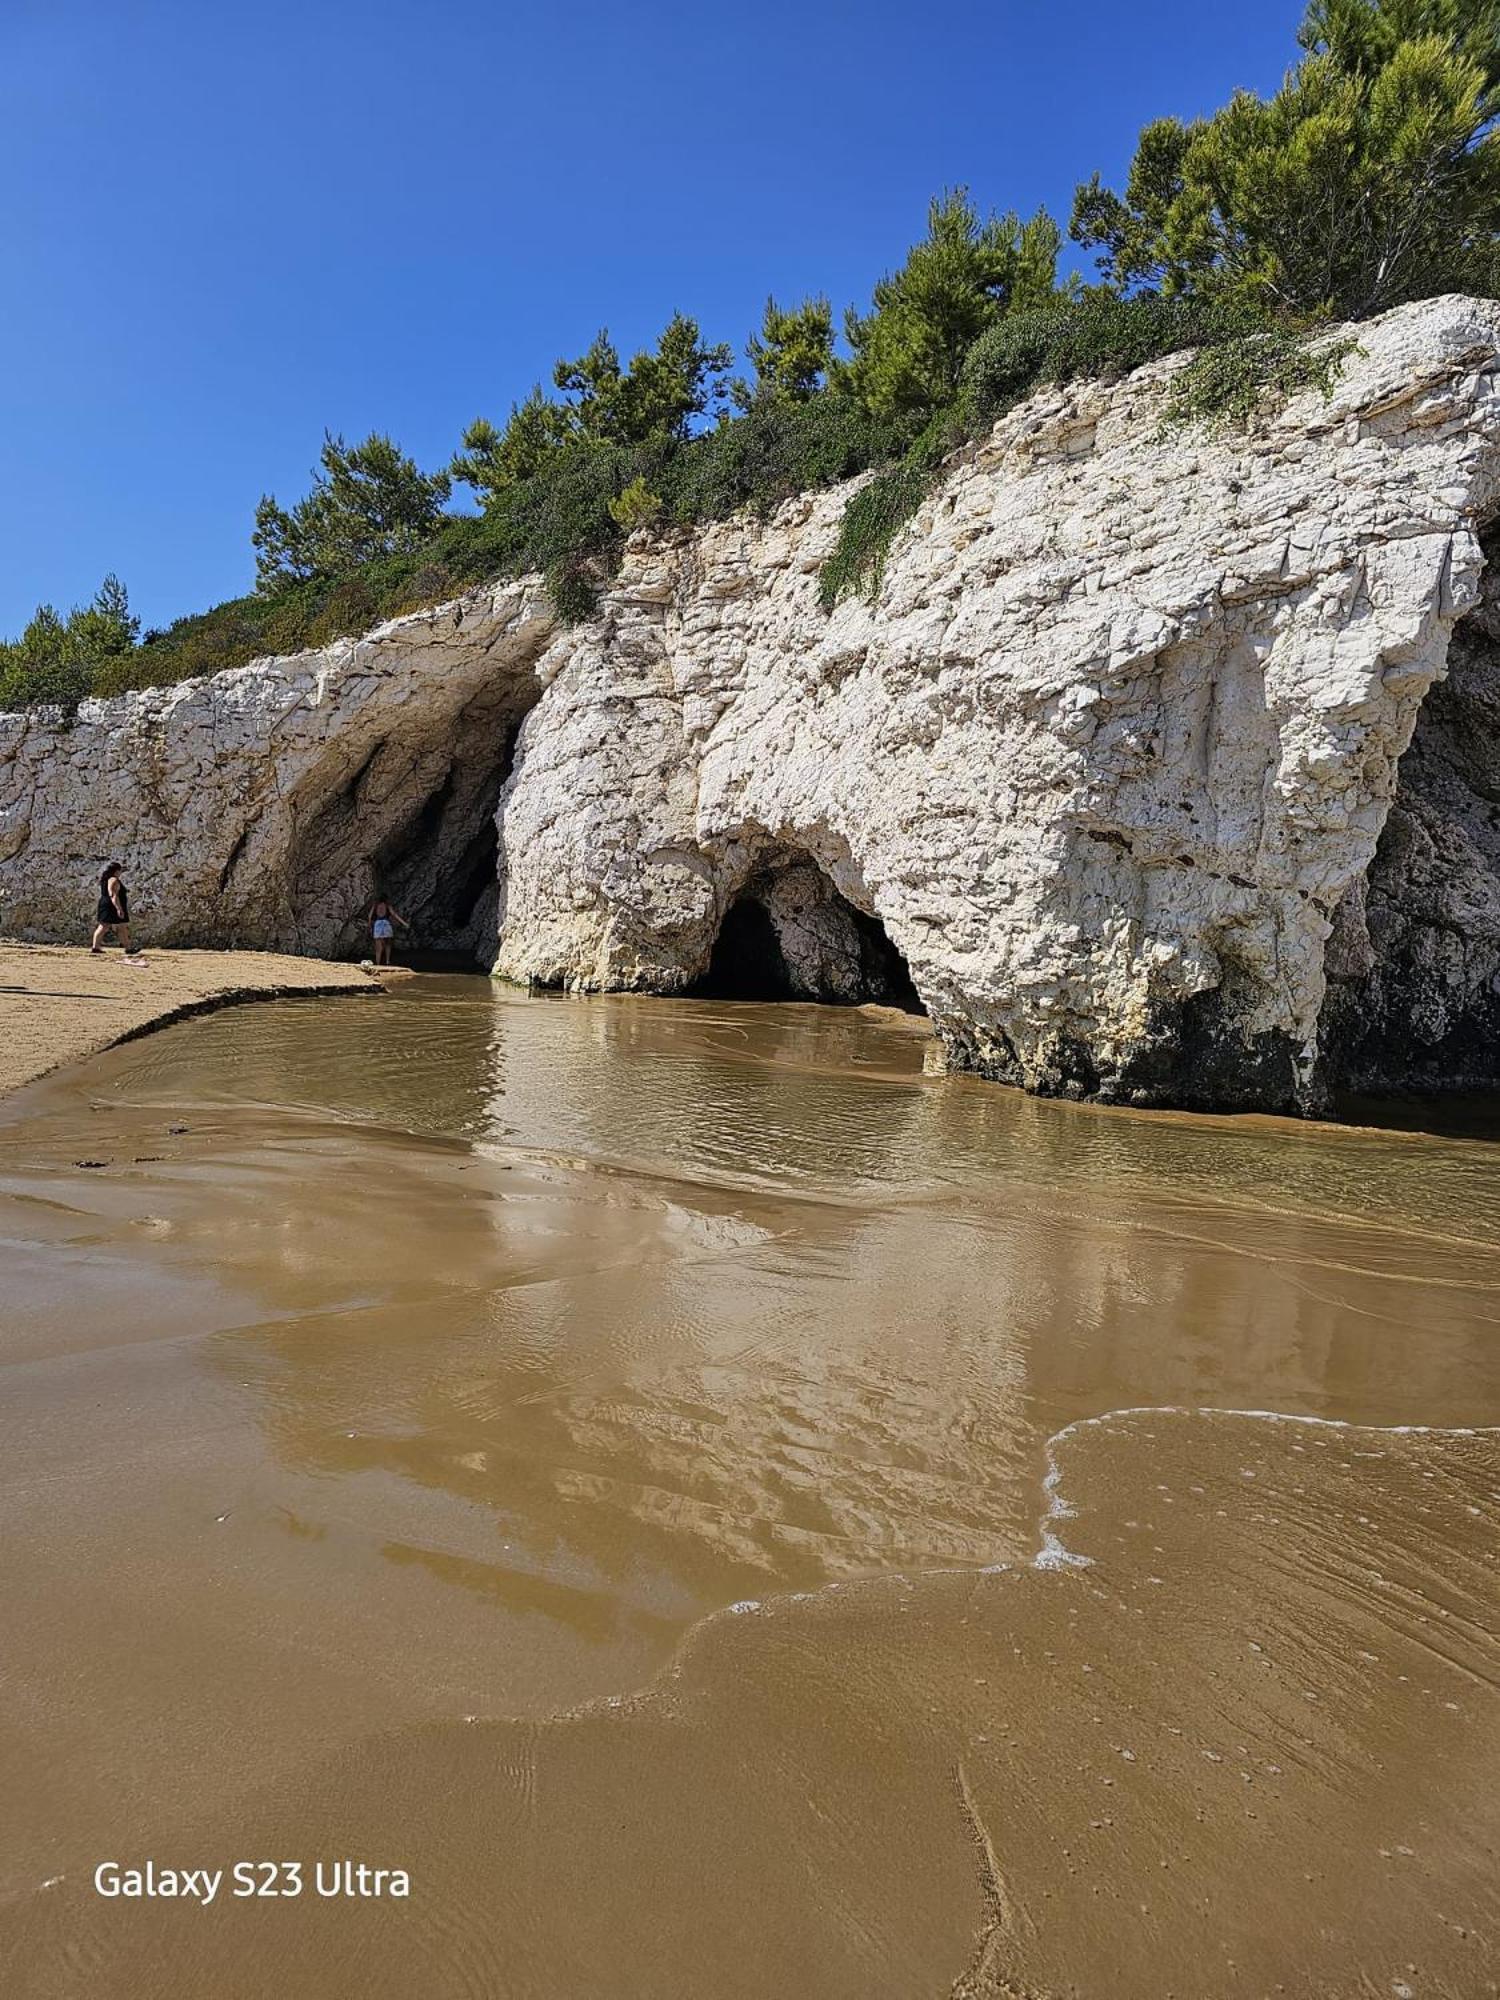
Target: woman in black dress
point(113, 915)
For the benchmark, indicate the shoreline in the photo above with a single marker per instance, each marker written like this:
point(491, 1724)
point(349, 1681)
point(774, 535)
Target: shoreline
point(59, 1004)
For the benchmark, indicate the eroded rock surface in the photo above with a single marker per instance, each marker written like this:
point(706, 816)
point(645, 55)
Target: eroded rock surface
point(1118, 737)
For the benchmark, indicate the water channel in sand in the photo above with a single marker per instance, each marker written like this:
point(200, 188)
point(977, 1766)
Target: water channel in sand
point(733, 1514)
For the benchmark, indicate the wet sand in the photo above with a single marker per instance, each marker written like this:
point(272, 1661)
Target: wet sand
point(731, 1514)
point(58, 1003)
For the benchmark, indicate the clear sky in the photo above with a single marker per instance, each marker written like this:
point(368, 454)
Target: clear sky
point(231, 223)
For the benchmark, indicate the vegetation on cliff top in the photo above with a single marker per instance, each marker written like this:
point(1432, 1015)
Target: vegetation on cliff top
point(1370, 178)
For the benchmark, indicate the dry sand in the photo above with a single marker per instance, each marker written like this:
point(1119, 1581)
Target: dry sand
point(58, 1003)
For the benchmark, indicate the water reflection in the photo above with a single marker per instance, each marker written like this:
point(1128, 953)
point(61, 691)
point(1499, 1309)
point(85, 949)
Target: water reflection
point(687, 1301)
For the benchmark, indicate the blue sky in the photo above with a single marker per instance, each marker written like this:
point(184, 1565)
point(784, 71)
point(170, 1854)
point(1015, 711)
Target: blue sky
point(232, 223)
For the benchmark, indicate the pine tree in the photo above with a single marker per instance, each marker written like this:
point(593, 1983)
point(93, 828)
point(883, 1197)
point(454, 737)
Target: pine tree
point(492, 462)
point(657, 396)
point(1371, 177)
point(962, 278)
point(367, 500)
point(791, 354)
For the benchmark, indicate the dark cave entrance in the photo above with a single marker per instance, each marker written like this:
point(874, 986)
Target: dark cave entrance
point(747, 963)
point(790, 935)
point(440, 867)
point(888, 971)
point(415, 824)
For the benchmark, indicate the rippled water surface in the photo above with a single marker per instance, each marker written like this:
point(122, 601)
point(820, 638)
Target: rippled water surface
point(731, 1512)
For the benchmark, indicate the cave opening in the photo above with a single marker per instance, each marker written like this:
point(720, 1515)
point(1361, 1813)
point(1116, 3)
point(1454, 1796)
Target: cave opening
point(415, 823)
point(789, 935)
point(887, 970)
point(439, 867)
point(746, 963)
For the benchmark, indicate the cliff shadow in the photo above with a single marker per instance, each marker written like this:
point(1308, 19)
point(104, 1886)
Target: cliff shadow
point(788, 934)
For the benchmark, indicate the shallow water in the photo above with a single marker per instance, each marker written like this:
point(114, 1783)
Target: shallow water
point(732, 1513)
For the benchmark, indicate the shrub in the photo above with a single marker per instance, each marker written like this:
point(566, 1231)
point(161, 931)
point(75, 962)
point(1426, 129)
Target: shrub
point(1097, 335)
point(55, 661)
point(58, 684)
point(871, 520)
point(573, 591)
point(637, 507)
point(1233, 380)
point(1005, 364)
point(775, 450)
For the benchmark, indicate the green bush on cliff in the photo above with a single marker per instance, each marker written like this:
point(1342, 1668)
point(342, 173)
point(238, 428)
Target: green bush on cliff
point(1097, 334)
point(871, 519)
point(636, 507)
point(1229, 383)
point(777, 449)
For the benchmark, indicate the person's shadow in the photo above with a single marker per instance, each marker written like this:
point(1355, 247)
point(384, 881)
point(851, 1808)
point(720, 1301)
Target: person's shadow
point(42, 993)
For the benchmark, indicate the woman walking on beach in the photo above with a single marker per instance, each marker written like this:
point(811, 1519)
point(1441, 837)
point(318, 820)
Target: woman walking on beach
point(112, 919)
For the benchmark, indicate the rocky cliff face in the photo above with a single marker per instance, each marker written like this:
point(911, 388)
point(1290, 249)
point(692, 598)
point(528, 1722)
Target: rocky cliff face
point(263, 807)
point(1095, 779)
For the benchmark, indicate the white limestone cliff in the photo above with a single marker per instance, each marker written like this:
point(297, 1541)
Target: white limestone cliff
point(1115, 742)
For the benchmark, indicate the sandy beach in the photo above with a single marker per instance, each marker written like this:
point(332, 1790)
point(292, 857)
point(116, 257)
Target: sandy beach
point(58, 1003)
